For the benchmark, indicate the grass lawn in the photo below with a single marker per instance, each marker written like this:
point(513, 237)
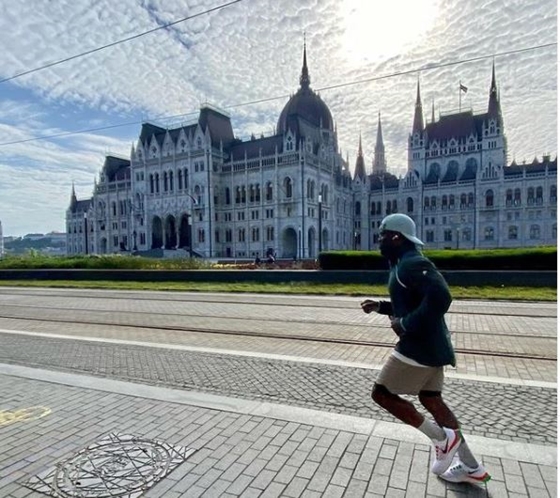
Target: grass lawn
point(503, 293)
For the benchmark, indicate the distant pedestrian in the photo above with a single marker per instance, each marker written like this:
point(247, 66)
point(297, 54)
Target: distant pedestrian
point(419, 300)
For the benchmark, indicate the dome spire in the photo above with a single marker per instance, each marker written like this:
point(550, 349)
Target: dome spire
point(304, 78)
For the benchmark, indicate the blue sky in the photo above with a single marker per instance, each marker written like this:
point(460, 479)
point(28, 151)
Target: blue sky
point(249, 51)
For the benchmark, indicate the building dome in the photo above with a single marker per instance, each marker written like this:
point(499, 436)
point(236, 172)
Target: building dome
point(306, 104)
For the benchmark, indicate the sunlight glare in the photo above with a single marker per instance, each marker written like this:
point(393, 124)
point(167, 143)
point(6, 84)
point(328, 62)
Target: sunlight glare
point(375, 29)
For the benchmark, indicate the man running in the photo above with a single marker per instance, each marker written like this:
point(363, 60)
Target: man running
point(419, 300)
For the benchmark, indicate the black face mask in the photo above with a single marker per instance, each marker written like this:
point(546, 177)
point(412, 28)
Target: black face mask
point(388, 250)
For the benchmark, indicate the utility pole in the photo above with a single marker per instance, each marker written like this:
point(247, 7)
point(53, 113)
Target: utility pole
point(320, 223)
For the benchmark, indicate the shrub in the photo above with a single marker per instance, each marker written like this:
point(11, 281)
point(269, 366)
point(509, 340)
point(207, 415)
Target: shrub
point(539, 258)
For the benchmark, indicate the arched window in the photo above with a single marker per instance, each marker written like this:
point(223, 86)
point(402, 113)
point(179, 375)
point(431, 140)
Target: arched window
point(444, 202)
point(237, 195)
point(426, 202)
point(489, 198)
point(378, 207)
point(463, 200)
point(394, 206)
point(471, 164)
point(228, 196)
point(251, 193)
point(289, 143)
point(269, 193)
point(114, 208)
point(358, 209)
point(243, 195)
point(165, 181)
point(452, 169)
point(198, 195)
point(435, 170)
point(433, 202)
point(530, 195)
point(451, 201)
point(157, 183)
point(489, 233)
point(539, 196)
point(288, 187)
point(409, 205)
point(186, 177)
point(471, 199)
point(325, 193)
point(388, 207)
point(535, 232)
point(180, 179)
point(151, 184)
point(517, 197)
point(509, 197)
point(553, 193)
point(258, 192)
point(171, 181)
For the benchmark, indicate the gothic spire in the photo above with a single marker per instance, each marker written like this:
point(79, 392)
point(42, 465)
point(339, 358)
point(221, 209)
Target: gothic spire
point(418, 125)
point(304, 80)
point(494, 108)
point(360, 169)
point(73, 199)
point(379, 163)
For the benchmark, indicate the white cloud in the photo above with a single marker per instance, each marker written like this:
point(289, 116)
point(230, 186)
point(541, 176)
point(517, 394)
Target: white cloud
point(252, 50)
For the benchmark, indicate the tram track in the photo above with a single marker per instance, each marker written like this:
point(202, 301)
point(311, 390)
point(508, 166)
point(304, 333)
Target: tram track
point(260, 300)
point(258, 319)
point(275, 335)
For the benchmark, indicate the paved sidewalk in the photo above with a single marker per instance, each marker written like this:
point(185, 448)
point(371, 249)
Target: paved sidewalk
point(243, 448)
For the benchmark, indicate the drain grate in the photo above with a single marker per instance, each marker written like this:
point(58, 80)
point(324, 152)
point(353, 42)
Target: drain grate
point(116, 465)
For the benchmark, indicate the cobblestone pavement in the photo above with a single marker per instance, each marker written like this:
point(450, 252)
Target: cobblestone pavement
point(240, 453)
point(237, 455)
point(509, 412)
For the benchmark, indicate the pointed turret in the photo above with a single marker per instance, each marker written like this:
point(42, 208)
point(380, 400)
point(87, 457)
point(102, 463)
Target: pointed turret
point(73, 198)
point(379, 163)
point(494, 108)
point(418, 125)
point(304, 80)
point(360, 169)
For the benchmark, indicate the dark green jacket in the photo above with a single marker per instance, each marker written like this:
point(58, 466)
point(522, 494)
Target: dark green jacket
point(420, 297)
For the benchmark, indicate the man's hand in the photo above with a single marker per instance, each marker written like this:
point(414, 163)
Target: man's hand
point(396, 326)
point(369, 305)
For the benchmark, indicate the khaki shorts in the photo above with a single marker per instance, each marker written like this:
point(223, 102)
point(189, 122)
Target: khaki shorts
point(401, 378)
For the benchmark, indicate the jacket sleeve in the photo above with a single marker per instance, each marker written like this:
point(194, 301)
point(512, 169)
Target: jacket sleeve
point(385, 308)
point(421, 277)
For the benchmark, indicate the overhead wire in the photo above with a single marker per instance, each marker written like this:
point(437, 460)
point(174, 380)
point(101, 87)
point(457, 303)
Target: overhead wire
point(425, 67)
point(118, 42)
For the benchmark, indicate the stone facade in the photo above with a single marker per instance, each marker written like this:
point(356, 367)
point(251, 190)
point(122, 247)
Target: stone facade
point(197, 189)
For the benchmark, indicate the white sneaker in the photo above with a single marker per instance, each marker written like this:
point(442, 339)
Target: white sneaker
point(445, 450)
point(459, 472)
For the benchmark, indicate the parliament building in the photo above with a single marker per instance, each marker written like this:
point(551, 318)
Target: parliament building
point(198, 190)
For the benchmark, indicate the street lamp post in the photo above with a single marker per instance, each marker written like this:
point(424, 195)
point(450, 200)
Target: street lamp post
point(85, 233)
point(190, 219)
point(320, 223)
point(189, 223)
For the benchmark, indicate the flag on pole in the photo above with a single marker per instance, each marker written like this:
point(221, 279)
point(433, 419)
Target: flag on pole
point(463, 88)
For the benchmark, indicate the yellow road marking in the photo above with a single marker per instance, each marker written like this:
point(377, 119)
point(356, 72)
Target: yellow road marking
point(8, 417)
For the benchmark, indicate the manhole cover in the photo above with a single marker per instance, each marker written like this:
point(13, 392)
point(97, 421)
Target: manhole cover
point(120, 465)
